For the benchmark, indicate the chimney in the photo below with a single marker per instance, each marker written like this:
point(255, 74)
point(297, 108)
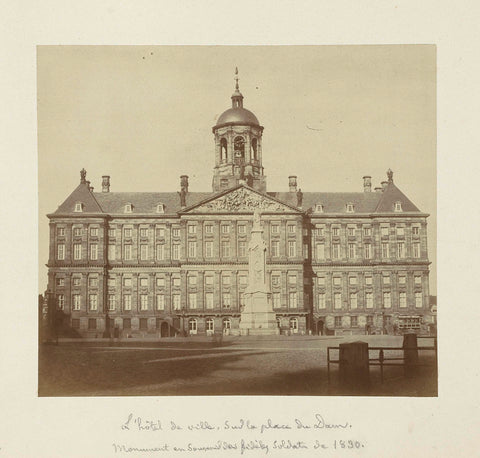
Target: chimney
point(105, 183)
point(378, 189)
point(184, 183)
point(292, 183)
point(90, 188)
point(384, 185)
point(367, 183)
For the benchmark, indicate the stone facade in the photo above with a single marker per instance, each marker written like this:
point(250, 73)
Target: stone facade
point(174, 263)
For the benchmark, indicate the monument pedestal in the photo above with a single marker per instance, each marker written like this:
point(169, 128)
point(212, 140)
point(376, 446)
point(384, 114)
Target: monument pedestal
point(258, 317)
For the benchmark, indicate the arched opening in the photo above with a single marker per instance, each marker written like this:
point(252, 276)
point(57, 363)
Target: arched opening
point(254, 152)
point(320, 327)
point(210, 326)
point(294, 325)
point(192, 326)
point(223, 150)
point(239, 148)
point(227, 325)
point(164, 329)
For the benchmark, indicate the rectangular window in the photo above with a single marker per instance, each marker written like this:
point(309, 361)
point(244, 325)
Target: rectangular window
point(400, 250)
point(319, 231)
point(60, 281)
point(143, 282)
point(400, 230)
point(387, 300)
point(192, 229)
point(160, 302)
point(94, 252)
point(127, 282)
point(160, 282)
point(337, 301)
point(61, 231)
point(160, 252)
point(415, 230)
point(336, 251)
point(320, 251)
point(93, 281)
point(386, 279)
point(176, 232)
point(111, 232)
point(292, 280)
point(275, 247)
point(111, 252)
point(321, 281)
point(275, 281)
point(192, 280)
point(209, 300)
point(416, 249)
point(77, 231)
point(92, 323)
point(225, 248)
point(242, 280)
point(385, 250)
point(418, 280)
point(291, 228)
point(111, 282)
point(402, 299)
point(176, 301)
point(192, 300)
point(77, 281)
point(127, 302)
point(192, 248)
point(143, 324)
point(209, 249)
point(225, 228)
point(275, 228)
point(384, 231)
point(226, 280)
point(368, 280)
point(143, 252)
point(354, 321)
point(418, 300)
point(367, 250)
point(176, 281)
point(92, 300)
point(127, 232)
point(367, 231)
point(292, 248)
point(76, 301)
point(242, 249)
point(352, 280)
point(338, 321)
point(335, 231)
point(351, 231)
point(94, 231)
point(369, 300)
point(353, 301)
point(401, 280)
point(276, 300)
point(61, 301)
point(61, 251)
point(226, 300)
point(292, 300)
point(208, 229)
point(127, 252)
point(160, 231)
point(352, 250)
point(321, 301)
point(176, 251)
point(111, 302)
point(209, 280)
point(77, 251)
point(337, 281)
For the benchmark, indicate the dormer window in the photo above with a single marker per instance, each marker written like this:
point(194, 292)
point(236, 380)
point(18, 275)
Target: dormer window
point(397, 206)
point(128, 208)
point(350, 208)
point(318, 208)
point(160, 208)
point(78, 207)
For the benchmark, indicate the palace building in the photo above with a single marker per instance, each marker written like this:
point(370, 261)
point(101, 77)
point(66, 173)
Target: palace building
point(176, 263)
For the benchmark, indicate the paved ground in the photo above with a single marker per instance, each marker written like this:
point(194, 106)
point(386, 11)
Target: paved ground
point(276, 365)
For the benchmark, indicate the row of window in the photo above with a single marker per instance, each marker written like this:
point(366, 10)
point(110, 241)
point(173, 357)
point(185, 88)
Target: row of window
point(192, 298)
point(352, 280)
point(319, 231)
point(369, 303)
point(368, 250)
point(350, 207)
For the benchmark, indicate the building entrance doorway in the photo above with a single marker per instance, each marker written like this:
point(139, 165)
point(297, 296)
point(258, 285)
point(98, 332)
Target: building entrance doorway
point(320, 327)
point(164, 330)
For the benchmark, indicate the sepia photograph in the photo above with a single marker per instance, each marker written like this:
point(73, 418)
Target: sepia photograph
point(237, 220)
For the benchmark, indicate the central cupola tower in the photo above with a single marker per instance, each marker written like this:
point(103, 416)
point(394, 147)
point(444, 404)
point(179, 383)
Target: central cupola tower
point(238, 147)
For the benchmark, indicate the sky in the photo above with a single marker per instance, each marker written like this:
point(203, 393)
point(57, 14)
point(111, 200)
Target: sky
point(143, 115)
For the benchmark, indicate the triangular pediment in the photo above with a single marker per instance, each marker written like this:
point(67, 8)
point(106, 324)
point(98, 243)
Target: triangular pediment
point(241, 199)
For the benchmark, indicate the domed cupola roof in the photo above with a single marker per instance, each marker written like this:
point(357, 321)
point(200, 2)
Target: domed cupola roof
point(237, 115)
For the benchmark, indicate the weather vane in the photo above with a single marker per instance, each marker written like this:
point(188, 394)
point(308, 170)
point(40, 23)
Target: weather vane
point(236, 78)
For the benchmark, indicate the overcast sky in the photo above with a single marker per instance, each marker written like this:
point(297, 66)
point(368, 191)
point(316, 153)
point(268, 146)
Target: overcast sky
point(143, 115)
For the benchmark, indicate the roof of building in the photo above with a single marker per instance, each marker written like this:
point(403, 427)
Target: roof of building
point(237, 116)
